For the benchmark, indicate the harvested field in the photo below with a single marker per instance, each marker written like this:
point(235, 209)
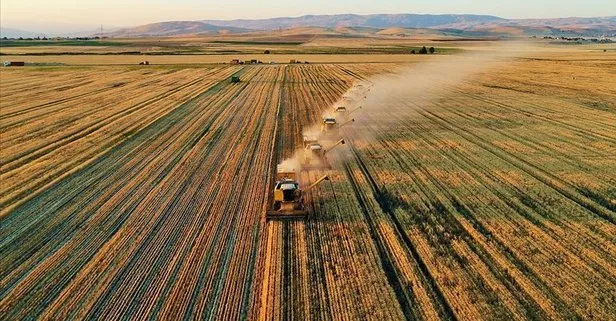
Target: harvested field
point(140, 193)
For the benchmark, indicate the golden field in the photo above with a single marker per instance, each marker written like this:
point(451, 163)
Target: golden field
point(473, 185)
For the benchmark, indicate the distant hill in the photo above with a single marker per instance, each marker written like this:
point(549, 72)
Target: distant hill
point(16, 33)
point(571, 26)
point(404, 25)
point(353, 20)
point(470, 25)
point(175, 28)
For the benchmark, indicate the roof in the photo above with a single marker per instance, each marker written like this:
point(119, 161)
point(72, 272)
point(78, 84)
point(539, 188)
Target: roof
point(286, 186)
point(329, 120)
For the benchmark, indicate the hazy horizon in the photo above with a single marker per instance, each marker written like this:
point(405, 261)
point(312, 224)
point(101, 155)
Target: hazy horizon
point(61, 14)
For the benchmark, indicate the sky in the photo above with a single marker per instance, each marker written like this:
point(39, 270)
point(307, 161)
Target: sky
point(121, 13)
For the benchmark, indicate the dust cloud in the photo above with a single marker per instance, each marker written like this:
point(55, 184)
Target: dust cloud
point(292, 164)
point(394, 97)
point(379, 103)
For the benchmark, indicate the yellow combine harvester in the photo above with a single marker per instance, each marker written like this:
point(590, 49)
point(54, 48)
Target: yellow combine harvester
point(289, 198)
point(315, 156)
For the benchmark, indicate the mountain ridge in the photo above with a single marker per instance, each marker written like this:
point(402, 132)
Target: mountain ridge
point(460, 24)
point(463, 25)
point(354, 20)
point(176, 28)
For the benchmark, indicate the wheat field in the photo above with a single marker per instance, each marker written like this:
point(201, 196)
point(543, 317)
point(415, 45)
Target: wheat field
point(140, 193)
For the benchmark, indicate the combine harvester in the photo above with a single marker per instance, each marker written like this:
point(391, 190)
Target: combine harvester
point(340, 109)
point(289, 197)
point(315, 156)
point(343, 110)
point(331, 126)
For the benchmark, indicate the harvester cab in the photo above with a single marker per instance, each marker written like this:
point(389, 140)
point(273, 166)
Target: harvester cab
point(288, 197)
point(340, 109)
point(329, 124)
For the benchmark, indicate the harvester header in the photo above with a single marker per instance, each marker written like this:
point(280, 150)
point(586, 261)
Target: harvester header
point(284, 173)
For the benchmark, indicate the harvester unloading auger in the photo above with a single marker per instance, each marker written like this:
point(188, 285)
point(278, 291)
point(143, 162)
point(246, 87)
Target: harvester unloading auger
point(289, 197)
point(354, 110)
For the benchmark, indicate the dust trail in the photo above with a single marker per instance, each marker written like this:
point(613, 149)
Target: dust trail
point(395, 97)
point(313, 133)
point(291, 164)
point(383, 101)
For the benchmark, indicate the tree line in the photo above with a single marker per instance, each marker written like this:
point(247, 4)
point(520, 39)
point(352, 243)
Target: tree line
point(424, 51)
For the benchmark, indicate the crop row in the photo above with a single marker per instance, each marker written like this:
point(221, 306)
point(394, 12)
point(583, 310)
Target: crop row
point(161, 224)
point(473, 202)
point(156, 194)
point(44, 142)
point(469, 182)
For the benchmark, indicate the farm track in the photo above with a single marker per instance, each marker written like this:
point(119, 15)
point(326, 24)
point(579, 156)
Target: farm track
point(490, 202)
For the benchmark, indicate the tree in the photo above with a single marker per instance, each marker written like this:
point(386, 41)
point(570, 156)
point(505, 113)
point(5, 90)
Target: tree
point(413, 51)
point(267, 52)
point(432, 50)
point(423, 50)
